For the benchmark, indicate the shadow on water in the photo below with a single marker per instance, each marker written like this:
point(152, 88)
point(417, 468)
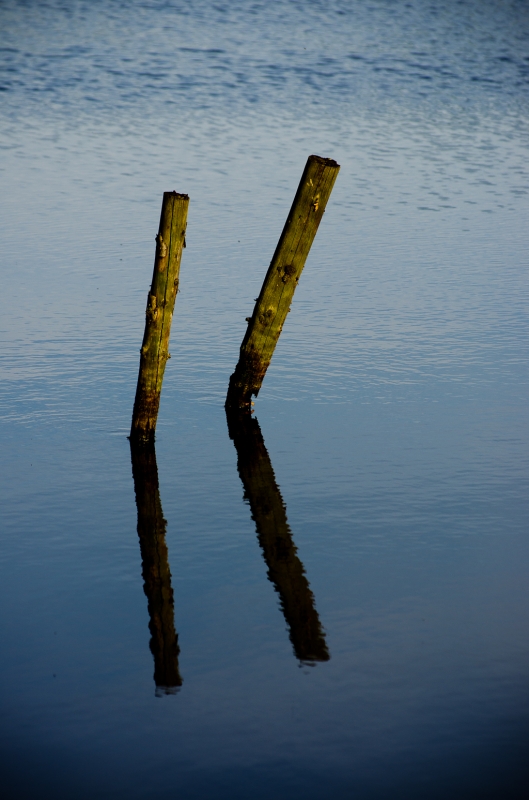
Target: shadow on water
point(155, 570)
point(285, 570)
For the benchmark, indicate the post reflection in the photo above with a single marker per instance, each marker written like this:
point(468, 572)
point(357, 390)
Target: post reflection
point(285, 570)
point(155, 570)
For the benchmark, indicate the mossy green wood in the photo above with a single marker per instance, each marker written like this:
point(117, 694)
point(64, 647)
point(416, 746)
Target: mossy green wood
point(273, 303)
point(160, 306)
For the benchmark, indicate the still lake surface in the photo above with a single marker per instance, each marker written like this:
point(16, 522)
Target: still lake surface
point(392, 440)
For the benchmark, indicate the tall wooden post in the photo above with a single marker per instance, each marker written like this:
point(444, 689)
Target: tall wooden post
point(160, 305)
point(273, 303)
point(285, 569)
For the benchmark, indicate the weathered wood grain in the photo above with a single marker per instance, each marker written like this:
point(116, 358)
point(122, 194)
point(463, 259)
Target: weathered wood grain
point(159, 314)
point(273, 303)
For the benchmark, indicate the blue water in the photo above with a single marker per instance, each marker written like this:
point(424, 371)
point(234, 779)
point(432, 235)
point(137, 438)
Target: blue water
point(394, 413)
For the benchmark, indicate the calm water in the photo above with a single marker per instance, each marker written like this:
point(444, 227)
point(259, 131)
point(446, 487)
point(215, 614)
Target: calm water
point(351, 610)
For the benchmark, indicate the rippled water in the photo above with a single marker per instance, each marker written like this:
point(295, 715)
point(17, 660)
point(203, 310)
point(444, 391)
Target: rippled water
point(351, 612)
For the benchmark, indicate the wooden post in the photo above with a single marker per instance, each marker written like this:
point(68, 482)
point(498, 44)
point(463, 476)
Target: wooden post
point(285, 569)
point(273, 303)
point(155, 569)
point(160, 305)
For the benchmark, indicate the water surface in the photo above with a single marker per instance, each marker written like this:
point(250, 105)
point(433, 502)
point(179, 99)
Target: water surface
point(332, 602)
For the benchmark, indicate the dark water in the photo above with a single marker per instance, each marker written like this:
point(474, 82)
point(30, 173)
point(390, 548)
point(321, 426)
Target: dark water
point(333, 602)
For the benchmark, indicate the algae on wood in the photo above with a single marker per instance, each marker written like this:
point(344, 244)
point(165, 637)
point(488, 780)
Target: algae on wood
point(285, 569)
point(160, 305)
point(155, 569)
point(273, 303)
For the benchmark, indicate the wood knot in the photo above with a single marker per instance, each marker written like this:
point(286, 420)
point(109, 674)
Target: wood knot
point(152, 311)
point(162, 247)
point(266, 316)
point(287, 272)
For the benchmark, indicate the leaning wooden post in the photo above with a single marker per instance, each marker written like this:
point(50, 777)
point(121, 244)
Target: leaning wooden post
point(160, 305)
point(273, 303)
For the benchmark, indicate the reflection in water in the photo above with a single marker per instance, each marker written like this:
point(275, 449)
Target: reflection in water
point(285, 570)
point(155, 568)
